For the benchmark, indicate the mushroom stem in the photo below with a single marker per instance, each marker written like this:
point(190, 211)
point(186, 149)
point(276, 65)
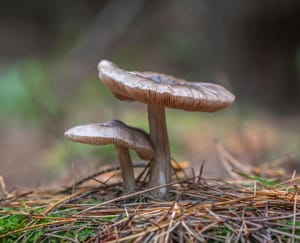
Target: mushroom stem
point(126, 168)
point(160, 170)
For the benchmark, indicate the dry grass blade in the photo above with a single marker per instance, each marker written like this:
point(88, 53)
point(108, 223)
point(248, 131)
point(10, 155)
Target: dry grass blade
point(294, 216)
point(3, 187)
point(229, 162)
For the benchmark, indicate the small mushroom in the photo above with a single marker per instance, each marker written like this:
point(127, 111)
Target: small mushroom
point(123, 137)
point(159, 91)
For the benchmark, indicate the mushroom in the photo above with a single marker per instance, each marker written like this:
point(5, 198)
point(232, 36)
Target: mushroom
point(159, 91)
point(123, 137)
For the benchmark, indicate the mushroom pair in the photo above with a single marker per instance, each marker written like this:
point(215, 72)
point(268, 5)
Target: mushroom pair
point(123, 137)
point(159, 91)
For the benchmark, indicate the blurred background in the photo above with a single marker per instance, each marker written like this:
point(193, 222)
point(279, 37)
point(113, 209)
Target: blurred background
point(48, 80)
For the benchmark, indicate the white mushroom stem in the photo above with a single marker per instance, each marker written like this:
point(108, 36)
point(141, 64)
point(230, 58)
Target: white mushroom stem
point(160, 170)
point(126, 168)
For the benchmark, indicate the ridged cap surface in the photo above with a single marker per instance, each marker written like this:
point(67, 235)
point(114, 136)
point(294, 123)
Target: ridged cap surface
point(165, 90)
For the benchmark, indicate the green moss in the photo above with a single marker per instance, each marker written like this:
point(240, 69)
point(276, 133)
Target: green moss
point(79, 231)
point(11, 222)
point(85, 234)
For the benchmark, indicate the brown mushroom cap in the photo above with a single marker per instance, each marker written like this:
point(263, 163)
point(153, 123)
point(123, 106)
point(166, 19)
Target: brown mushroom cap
point(165, 90)
point(113, 132)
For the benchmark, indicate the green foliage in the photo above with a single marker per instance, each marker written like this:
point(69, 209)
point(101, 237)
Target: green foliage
point(13, 94)
point(25, 91)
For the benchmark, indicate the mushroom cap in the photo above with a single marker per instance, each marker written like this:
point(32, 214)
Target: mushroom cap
point(113, 132)
point(165, 90)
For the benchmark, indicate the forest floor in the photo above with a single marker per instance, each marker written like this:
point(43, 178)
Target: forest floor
point(245, 208)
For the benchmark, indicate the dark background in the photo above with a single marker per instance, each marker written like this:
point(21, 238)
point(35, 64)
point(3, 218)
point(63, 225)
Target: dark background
point(48, 77)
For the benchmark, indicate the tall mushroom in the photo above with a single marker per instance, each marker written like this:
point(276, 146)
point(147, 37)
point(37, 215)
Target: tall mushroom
point(159, 91)
point(123, 137)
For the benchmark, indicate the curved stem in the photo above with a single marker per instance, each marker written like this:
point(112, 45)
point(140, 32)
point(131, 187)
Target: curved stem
point(160, 171)
point(126, 168)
